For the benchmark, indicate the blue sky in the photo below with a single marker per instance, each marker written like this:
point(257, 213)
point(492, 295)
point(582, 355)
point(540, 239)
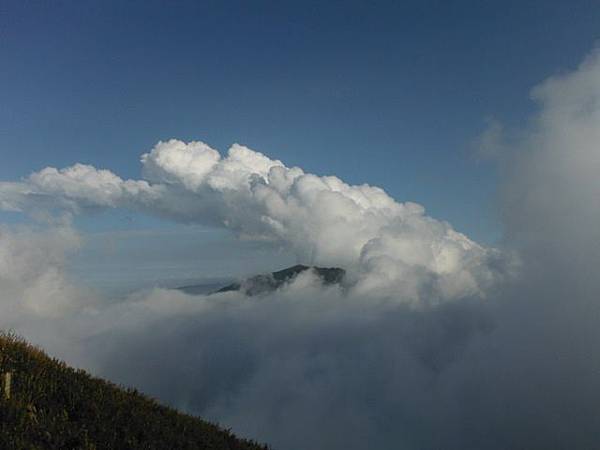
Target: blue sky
point(388, 93)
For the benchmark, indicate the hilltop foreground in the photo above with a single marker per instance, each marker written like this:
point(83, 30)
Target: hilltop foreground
point(52, 406)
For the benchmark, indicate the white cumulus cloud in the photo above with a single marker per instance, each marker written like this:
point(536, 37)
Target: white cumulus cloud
point(325, 221)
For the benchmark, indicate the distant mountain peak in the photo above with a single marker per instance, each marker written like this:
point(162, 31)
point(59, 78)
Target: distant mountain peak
point(264, 283)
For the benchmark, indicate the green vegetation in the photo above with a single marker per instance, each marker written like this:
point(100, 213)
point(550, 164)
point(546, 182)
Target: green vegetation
point(52, 406)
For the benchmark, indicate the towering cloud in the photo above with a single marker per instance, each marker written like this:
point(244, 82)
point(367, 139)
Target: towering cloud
point(385, 244)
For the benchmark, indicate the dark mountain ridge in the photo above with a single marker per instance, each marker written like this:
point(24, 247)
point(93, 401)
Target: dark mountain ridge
point(264, 283)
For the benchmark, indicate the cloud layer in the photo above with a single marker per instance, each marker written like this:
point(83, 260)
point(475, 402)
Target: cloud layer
point(385, 244)
point(508, 364)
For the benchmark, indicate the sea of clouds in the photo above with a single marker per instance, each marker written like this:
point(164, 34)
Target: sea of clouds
point(433, 341)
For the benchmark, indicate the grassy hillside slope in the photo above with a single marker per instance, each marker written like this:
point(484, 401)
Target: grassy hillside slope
point(52, 406)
